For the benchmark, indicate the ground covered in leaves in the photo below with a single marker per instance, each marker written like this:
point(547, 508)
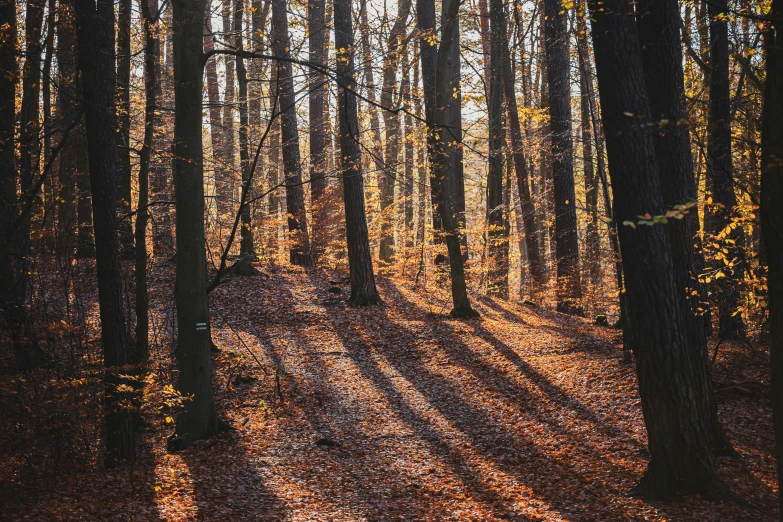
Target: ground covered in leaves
point(398, 412)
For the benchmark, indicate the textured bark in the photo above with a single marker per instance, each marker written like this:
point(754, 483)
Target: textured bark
point(676, 416)
point(199, 419)
point(720, 172)
point(140, 351)
point(227, 184)
point(369, 81)
point(124, 228)
point(662, 62)
point(46, 95)
point(317, 33)
point(569, 288)
point(160, 174)
point(391, 122)
point(428, 52)
point(445, 168)
point(95, 32)
point(772, 219)
point(406, 187)
point(295, 206)
point(246, 231)
point(363, 290)
point(497, 238)
point(222, 197)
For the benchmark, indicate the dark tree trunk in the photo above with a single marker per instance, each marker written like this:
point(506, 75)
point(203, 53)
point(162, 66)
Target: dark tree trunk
point(71, 156)
point(521, 170)
point(772, 219)
point(391, 121)
point(199, 419)
point(227, 185)
point(318, 33)
point(406, 185)
point(676, 416)
point(720, 171)
point(428, 54)
point(497, 239)
point(46, 95)
point(363, 291)
point(246, 232)
point(160, 175)
point(593, 241)
point(569, 288)
point(124, 227)
point(369, 81)
point(140, 352)
point(662, 62)
point(95, 31)
point(29, 128)
point(297, 221)
point(445, 169)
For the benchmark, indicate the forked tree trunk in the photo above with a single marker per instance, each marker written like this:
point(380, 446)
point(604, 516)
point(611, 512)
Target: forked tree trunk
point(363, 290)
point(676, 415)
point(297, 220)
point(569, 288)
point(95, 23)
point(662, 62)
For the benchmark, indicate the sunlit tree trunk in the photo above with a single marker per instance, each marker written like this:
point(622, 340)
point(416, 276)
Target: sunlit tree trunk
point(317, 36)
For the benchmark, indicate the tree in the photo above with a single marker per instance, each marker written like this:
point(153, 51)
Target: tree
point(199, 419)
point(497, 237)
point(95, 33)
point(246, 232)
point(297, 222)
point(657, 23)
point(363, 290)
point(445, 158)
point(317, 36)
point(569, 287)
point(676, 416)
point(124, 228)
point(772, 217)
point(720, 172)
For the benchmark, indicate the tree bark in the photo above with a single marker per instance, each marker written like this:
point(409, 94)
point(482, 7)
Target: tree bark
point(225, 207)
point(657, 24)
point(95, 32)
point(569, 288)
point(363, 290)
point(772, 218)
point(160, 174)
point(297, 221)
point(199, 419)
point(676, 416)
point(124, 227)
point(369, 81)
point(428, 53)
point(246, 231)
point(317, 32)
point(720, 171)
point(216, 131)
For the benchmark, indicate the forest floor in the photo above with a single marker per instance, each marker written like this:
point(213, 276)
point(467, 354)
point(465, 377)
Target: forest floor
point(398, 412)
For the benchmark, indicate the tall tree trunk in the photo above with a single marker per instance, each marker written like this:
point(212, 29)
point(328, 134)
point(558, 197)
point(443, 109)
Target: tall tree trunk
point(772, 218)
point(521, 170)
point(676, 416)
point(297, 221)
point(369, 81)
point(160, 175)
point(421, 154)
point(140, 352)
point(46, 95)
point(497, 238)
point(216, 131)
point(246, 231)
point(29, 127)
point(317, 33)
point(409, 146)
point(720, 171)
point(95, 31)
point(593, 254)
point(199, 419)
point(569, 288)
point(71, 156)
point(124, 227)
point(363, 290)
point(662, 62)
point(229, 142)
point(391, 121)
point(445, 170)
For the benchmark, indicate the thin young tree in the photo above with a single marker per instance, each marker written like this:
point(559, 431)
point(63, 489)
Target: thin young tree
point(569, 288)
point(676, 415)
point(199, 419)
point(363, 290)
point(95, 34)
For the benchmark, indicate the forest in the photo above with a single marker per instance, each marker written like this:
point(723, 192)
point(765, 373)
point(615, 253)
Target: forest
point(391, 260)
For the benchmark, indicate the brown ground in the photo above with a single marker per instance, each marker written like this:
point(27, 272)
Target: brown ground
point(523, 414)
